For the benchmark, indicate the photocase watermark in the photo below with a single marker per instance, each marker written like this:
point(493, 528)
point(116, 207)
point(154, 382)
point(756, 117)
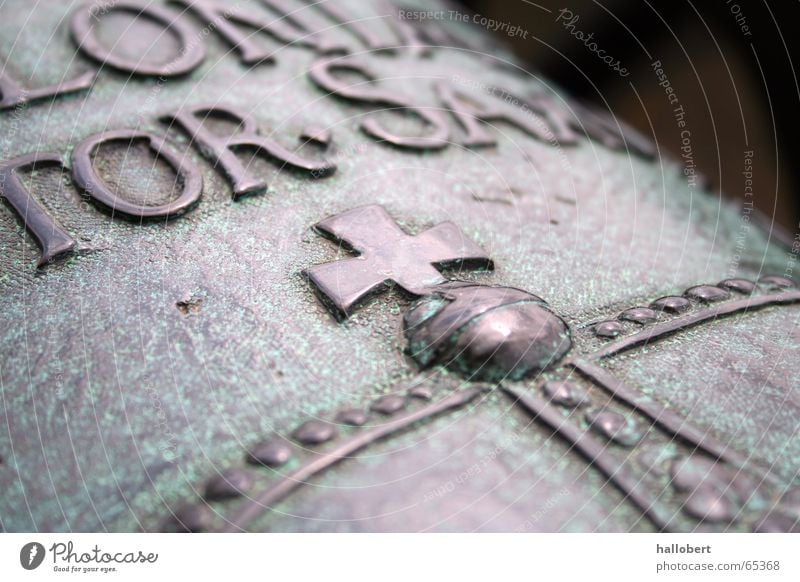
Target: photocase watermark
point(13, 128)
point(344, 154)
point(738, 15)
point(502, 26)
point(569, 20)
point(524, 108)
point(470, 472)
point(679, 114)
point(422, 15)
point(66, 559)
point(10, 135)
point(98, 10)
point(745, 217)
point(549, 504)
point(794, 252)
point(144, 111)
point(168, 446)
point(32, 555)
point(510, 30)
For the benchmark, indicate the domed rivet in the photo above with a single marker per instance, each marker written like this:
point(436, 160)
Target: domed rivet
point(272, 453)
point(640, 315)
point(230, 483)
point(566, 394)
point(615, 426)
point(194, 518)
point(314, 432)
point(389, 404)
point(352, 416)
point(486, 333)
point(707, 293)
point(742, 286)
point(776, 282)
point(671, 304)
point(608, 329)
point(421, 392)
point(708, 503)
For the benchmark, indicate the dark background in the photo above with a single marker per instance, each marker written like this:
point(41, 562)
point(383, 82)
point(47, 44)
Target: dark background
point(740, 92)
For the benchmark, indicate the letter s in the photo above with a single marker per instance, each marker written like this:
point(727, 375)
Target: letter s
point(321, 74)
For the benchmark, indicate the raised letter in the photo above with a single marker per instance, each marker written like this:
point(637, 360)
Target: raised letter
point(52, 238)
point(223, 17)
point(322, 75)
point(190, 56)
point(221, 150)
point(12, 94)
point(469, 112)
point(87, 179)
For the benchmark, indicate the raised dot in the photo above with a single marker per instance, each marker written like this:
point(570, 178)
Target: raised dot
point(656, 460)
point(688, 473)
point(608, 329)
point(708, 503)
point(742, 286)
point(272, 453)
point(707, 293)
point(421, 392)
point(389, 404)
point(314, 432)
point(640, 315)
point(193, 518)
point(614, 426)
point(671, 304)
point(352, 416)
point(776, 282)
point(566, 394)
point(230, 483)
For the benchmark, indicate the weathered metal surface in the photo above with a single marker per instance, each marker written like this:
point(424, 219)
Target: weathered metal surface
point(183, 373)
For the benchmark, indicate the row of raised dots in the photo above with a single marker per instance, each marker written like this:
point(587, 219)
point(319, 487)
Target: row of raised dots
point(676, 304)
point(273, 453)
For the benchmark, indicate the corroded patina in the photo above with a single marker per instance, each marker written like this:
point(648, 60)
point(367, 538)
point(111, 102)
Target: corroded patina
point(183, 374)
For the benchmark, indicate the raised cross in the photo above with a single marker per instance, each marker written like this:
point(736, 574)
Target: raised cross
point(386, 253)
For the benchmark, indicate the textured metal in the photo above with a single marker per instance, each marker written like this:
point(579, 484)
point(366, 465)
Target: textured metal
point(629, 364)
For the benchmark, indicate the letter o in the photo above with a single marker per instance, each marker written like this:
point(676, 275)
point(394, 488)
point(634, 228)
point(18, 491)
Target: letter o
point(87, 180)
point(189, 57)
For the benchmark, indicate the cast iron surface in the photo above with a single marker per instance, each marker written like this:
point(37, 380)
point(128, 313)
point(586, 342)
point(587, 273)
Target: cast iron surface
point(206, 373)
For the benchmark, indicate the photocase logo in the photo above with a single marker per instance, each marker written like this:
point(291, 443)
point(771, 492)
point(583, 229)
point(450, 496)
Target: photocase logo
point(31, 555)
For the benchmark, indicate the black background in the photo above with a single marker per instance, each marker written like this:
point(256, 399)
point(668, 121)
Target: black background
point(729, 83)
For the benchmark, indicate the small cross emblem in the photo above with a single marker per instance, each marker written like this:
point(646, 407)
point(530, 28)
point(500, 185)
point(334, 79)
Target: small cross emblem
point(386, 253)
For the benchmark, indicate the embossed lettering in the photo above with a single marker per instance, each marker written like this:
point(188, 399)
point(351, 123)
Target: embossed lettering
point(12, 94)
point(87, 179)
point(469, 112)
point(225, 18)
point(50, 235)
point(542, 116)
point(321, 74)
point(222, 150)
point(190, 56)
